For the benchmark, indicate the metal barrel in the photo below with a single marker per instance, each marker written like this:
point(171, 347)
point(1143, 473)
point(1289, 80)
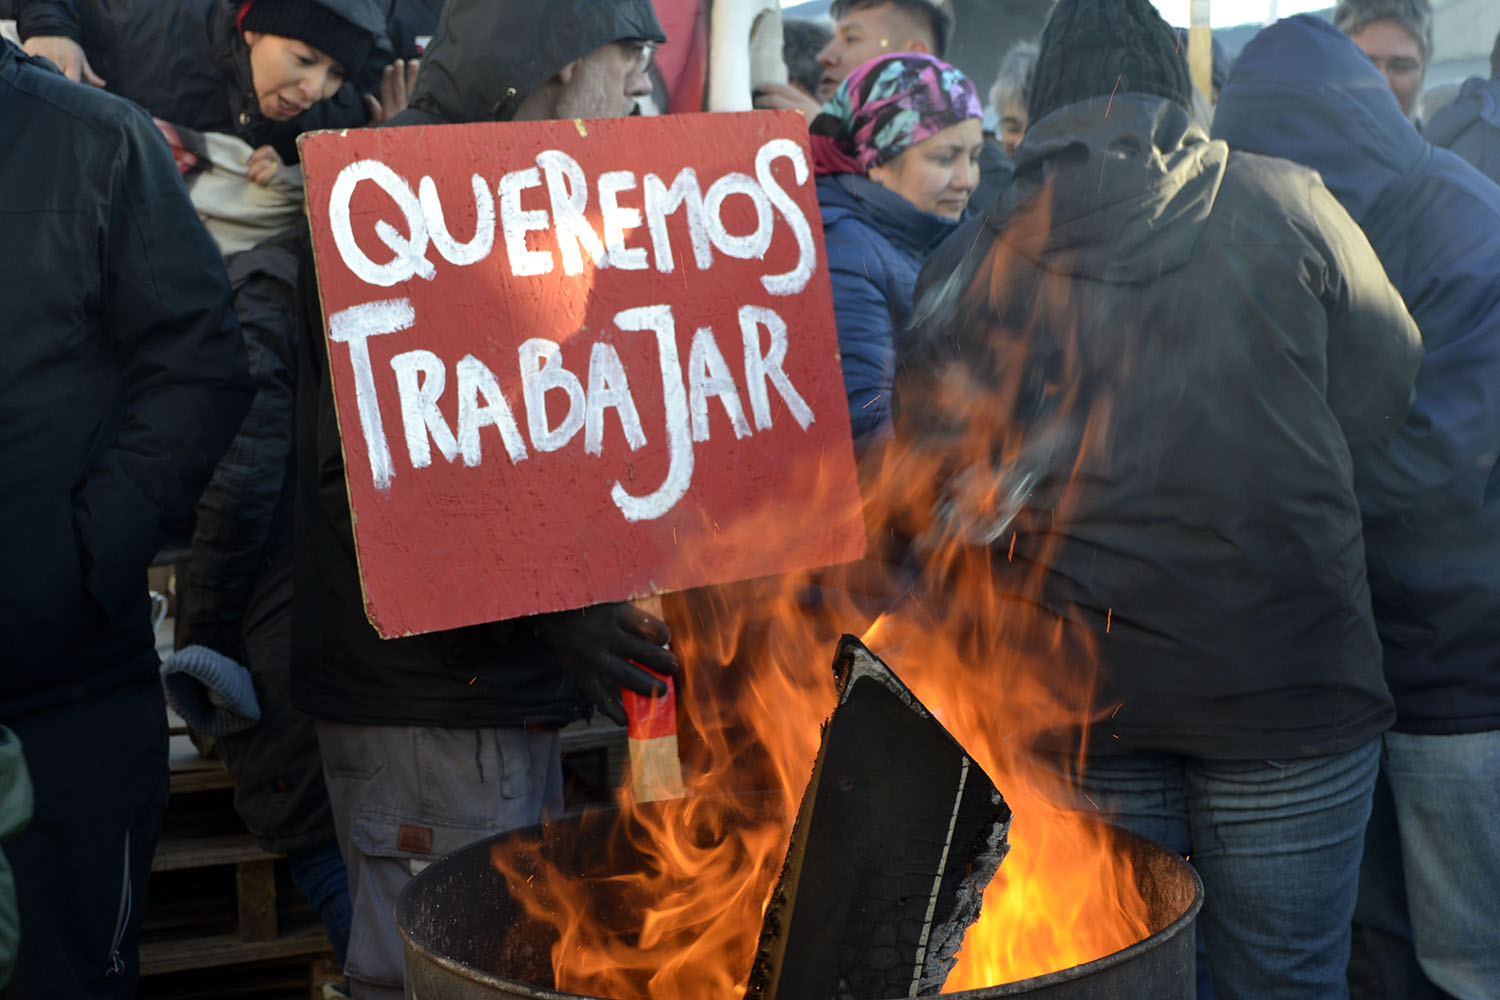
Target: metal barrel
point(467, 939)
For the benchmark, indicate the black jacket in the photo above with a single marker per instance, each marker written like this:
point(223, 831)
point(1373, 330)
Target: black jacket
point(235, 595)
point(409, 27)
point(484, 59)
point(1190, 337)
point(122, 379)
point(184, 62)
point(243, 529)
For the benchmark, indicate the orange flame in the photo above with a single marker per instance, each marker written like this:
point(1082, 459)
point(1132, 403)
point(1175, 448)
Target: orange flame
point(680, 917)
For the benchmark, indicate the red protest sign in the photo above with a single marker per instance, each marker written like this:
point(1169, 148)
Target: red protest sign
point(577, 362)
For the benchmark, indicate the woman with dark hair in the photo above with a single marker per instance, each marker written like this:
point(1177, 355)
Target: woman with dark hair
point(896, 151)
point(248, 68)
point(231, 84)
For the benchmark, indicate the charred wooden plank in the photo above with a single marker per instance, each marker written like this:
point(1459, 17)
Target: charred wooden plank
point(898, 833)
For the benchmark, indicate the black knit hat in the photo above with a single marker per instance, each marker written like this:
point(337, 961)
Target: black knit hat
point(311, 22)
point(1091, 48)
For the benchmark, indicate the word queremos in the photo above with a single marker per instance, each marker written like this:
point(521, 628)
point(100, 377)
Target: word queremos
point(421, 376)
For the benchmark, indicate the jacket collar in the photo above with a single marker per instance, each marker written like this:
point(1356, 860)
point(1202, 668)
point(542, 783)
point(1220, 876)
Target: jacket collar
point(887, 211)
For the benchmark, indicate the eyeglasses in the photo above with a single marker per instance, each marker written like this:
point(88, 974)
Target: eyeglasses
point(642, 50)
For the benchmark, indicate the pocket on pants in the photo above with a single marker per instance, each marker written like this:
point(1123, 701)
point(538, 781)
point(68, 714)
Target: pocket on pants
point(351, 751)
point(469, 777)
point(387, 848)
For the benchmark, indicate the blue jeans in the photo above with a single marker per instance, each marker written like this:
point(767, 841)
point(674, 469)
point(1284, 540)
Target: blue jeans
point(1428, 906)
point(1277, 844)
point(320, 873)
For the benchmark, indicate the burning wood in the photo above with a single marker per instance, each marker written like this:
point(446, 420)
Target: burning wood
point(897, 836)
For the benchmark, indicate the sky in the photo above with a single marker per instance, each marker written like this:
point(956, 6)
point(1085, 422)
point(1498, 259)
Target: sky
point(1226, 13)
point(1223, 13)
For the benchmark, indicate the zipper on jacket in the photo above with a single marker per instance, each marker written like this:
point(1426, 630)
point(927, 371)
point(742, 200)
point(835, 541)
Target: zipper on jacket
point(122, 917)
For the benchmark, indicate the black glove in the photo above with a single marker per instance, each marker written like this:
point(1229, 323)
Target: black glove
point(605, 646)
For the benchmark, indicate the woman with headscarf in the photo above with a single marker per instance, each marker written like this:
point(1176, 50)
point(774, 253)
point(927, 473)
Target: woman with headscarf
point(896, 151)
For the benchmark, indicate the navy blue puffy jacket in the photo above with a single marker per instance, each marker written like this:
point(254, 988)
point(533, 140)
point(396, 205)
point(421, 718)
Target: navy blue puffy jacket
point(1470, 126)
point(1430, 494)
point(877, 242)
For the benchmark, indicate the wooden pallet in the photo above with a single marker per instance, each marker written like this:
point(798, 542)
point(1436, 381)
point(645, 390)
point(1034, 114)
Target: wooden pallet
point(223, 917)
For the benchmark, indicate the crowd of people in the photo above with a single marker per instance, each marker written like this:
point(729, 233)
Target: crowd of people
point(1241, 348)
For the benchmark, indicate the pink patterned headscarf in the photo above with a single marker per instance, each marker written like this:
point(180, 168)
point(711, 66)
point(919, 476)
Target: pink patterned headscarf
point(886, 106)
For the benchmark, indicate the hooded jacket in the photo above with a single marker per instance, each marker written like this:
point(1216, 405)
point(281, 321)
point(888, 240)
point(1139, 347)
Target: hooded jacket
point(1470, 126)
point(483, 61)
point(1183, 339)
point(487, 57)
point(185, 63)
point(122, 380)
point(1430, 494)
point(877, 242)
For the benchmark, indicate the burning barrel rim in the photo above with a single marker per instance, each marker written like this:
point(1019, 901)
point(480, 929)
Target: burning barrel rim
point(478, 982)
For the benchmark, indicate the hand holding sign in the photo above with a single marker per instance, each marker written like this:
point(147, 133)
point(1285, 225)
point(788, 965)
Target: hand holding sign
point(605, 647)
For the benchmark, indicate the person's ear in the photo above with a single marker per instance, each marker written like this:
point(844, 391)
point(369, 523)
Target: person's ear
point(250, 37)
point(565, 75)
point(918, 45)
